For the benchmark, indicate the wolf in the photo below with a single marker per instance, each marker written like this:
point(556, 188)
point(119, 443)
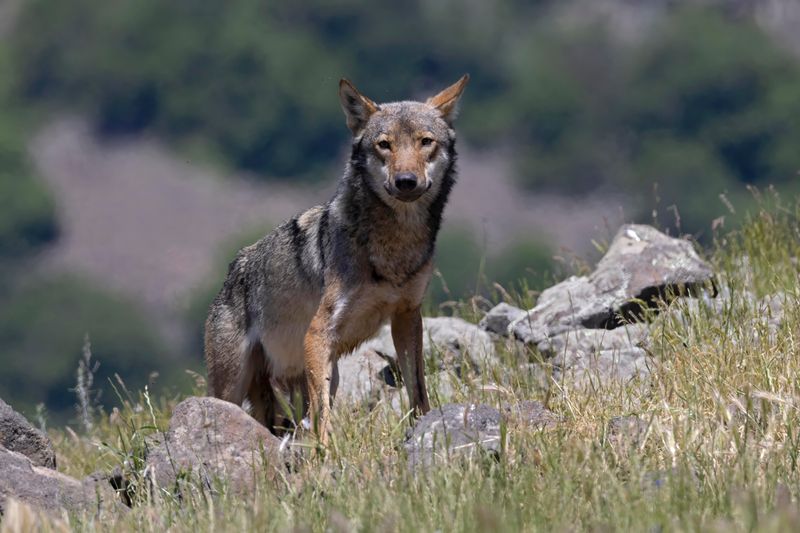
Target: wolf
point(326, 280)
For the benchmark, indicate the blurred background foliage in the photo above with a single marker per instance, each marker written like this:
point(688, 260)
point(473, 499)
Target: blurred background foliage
point(702, 104)
point(43, 326)
point(27, 211)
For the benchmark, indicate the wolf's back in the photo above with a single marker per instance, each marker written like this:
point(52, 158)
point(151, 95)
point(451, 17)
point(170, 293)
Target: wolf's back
point(270, 293)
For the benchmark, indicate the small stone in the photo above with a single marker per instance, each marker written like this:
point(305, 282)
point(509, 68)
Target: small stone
point(364, 376)
point(499, 318)
point(567, 344)
point(626, 431)
point(589, 355)
point(454, 431)
point(530, 413)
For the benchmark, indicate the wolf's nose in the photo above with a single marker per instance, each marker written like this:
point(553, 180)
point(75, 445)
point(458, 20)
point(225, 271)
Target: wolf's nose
point(407, 181)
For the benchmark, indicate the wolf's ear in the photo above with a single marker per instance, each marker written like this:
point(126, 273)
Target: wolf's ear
point(357, 107)
point(447, 101)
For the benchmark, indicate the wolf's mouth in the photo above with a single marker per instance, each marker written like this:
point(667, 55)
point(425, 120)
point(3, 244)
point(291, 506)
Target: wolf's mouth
point(406, 196)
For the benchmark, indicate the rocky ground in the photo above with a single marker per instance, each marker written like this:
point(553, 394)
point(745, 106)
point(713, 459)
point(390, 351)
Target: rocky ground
point(495, 385)
point(595, 327)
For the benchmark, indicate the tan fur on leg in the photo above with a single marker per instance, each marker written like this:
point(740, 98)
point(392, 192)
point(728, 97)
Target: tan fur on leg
point(318, 359)
point(407, 337)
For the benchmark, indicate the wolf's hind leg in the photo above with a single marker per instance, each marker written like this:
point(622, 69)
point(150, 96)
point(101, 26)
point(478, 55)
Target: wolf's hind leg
point(228, 367)
point(260, 392)
point(334, 380)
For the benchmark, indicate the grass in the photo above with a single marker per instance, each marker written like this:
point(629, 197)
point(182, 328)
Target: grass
point(721, 450)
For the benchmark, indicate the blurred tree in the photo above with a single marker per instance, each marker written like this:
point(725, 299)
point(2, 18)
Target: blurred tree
point(27, 214)
point(708, 112)
point(703, 106)
point(523, 265)
point(560, 108)
point(197, 306)
point(42, 329)
point(467, 269)
point(459, 260)
point(720, 84)
point(254, 83)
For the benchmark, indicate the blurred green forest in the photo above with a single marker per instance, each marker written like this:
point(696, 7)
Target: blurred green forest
point(703, 104)
point(27, 211)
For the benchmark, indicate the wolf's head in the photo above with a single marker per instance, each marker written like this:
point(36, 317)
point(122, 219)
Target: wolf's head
point(405, 147)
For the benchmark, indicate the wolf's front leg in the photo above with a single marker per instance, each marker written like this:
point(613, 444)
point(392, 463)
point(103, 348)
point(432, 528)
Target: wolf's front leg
point(407, 337)
point(319, 366)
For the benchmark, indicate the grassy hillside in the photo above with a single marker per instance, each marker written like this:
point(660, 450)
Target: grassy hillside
point(719, 452)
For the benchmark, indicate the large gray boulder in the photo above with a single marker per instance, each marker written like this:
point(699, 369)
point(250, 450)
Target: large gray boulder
point(209, 440)
point(573, 344)
point(641, 265)
point(585, 354)
point(18, 435)
point(48, 490)
point(606, 367)
point(365, 376)
point(371, 373)
point(451, 431)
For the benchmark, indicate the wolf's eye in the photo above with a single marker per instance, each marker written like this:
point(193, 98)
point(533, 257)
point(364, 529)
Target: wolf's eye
point(426, 141)
point(384, 145)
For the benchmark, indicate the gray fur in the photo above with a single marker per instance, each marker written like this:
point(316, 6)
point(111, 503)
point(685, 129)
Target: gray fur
point(366, 239)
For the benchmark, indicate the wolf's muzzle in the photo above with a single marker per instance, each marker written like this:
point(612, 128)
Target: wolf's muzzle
point(406, 186)
point(405, 182)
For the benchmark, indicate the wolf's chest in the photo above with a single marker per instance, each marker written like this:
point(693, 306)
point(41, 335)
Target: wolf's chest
point(359, 311)
point(398, 255)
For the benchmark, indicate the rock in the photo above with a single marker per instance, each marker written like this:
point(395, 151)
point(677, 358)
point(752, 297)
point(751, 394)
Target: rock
point(499, 318)
point(454, 340)
point(765, 315)
point(604, 367)
point(371, 372)
point(454, 430)
point(364, 376)
point(538, 375)
point(569, 345)
point(443, 386)
point(642, 265)
point(51, 491)
point(605, 354)
point(117, 480)
point(685, 311)
point(771, 307)
point(448, 340)
point(211, 439)
point(624, 432)
point(18, 435)
point(529, 413)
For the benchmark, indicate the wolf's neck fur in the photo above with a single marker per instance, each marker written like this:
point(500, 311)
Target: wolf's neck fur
point(398, 239)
